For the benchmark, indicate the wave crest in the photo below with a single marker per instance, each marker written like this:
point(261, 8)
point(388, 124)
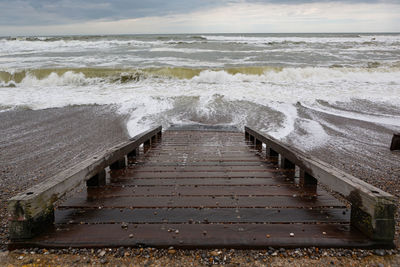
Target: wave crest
point(373, 73)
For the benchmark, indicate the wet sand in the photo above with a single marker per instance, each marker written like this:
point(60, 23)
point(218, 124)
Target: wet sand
point(37, 144)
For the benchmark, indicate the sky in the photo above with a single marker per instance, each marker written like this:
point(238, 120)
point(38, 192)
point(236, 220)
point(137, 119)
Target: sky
point(60, 17)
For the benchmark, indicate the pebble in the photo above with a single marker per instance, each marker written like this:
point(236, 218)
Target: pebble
point(291, 234)
point(215, 253)
point(102, 253)
point(380, 252)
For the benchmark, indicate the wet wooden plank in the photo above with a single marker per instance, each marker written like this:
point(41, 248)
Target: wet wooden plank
point(203, 201)
point(202, 236)
point(204, 190)
point(197, 216)
point(202, 181)
point(211, 174)
point(222, 168)
point(206, 163)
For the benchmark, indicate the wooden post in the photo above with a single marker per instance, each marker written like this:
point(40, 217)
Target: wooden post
point(146, 145)
point(246, 136)
point(258, 145)
point(24, 227)
point(159, 136)
point(153, 140)
point(287, 164)
point(395, 142)
point(97, 180)
point(307, 179)
point(119, 164)
point(271, 152)
point(133, 155)
point(380, 225)
point(252, 141)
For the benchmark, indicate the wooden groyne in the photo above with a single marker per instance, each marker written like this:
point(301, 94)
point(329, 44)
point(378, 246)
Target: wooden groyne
point(197, 186)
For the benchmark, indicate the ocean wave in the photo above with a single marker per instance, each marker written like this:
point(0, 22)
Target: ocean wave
point(374, 72)
point(359, 39)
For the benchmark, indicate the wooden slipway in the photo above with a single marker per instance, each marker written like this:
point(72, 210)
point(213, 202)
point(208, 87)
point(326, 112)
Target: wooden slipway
point(203, 186)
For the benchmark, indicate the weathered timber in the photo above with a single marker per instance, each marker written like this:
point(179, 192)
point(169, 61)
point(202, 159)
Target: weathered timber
point(97, 180)
point(271, 153)
point(395, 142)
point(286, 164)
point(33, 210)
point(306, 179)
point(119, 164)
point(372, 210)
point(258, 145)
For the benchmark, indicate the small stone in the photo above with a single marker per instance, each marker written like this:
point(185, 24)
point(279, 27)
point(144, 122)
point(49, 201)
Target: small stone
point(324, 233)
point(204, 232)
point(215, 253)
point(268, 236)
point(102, 253)
point(131, 236)
point(124, 226)
point(379, 252)
point(171, 251)
point(176, 231)
point(103, 261)
point(291, 234)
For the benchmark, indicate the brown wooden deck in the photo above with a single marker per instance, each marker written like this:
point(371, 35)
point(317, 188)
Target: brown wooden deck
point(201, 189)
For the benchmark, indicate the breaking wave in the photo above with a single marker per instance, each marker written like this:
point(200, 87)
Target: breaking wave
point(85, 76)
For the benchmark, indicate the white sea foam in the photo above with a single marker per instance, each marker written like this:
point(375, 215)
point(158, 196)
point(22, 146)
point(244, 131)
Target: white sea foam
point(386, 39)
point(69, 78)
point(182, 50)
point(310, 134)
point(390, 120)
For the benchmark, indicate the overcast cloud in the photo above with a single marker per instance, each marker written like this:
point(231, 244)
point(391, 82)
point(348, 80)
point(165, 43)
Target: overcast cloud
point(161, 16)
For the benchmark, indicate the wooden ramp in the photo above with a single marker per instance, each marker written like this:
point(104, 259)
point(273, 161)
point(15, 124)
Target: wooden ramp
point(202, 188)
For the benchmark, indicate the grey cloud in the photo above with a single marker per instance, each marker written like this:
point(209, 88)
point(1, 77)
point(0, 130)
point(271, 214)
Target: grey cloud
point(45, 12)
point(39, 12)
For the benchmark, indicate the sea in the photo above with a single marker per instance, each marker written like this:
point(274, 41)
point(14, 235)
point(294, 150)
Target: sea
point(302, 87)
